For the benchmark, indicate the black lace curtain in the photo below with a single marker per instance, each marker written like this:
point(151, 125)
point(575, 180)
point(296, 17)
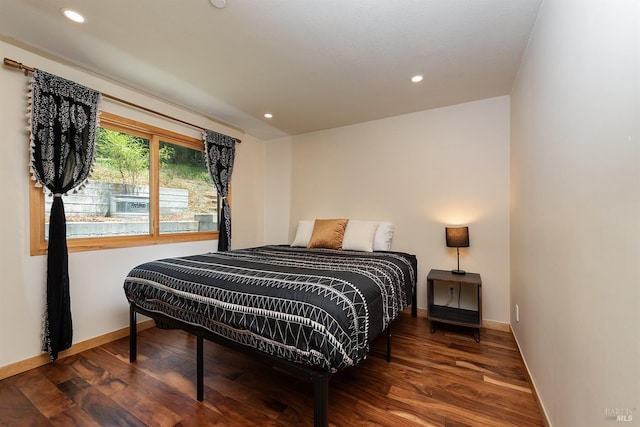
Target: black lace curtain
point(63, 121)
point(220, 153)
point(64, 118)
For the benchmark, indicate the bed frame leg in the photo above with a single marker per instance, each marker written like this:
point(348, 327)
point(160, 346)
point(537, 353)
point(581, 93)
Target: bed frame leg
point(414, 301)
point(133, 332)
point(389, 343)
point(320, 399)
point(200, 367)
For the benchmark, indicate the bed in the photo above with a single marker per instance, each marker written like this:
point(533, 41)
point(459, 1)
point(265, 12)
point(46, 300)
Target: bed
point(312, 312)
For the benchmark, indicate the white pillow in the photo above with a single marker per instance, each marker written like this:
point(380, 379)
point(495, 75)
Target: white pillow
point(384, 235)
point(304, 232)
point(359, 235)
point(381, 241)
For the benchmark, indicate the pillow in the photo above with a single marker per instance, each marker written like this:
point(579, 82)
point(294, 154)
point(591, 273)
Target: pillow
point(359, 235)
point(384, 235)
point(328, 233)
point(303, 234)
point(381, 241)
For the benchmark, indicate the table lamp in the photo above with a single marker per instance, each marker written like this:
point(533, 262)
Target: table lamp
point(457, 237)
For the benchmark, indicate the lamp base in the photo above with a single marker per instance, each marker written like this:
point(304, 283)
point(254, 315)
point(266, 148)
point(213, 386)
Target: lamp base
point(458, 272)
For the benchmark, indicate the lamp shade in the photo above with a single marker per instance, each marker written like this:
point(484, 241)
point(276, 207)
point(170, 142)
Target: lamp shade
point(457, 237)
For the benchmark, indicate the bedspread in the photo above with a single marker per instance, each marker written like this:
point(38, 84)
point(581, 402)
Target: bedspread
point(317, 307)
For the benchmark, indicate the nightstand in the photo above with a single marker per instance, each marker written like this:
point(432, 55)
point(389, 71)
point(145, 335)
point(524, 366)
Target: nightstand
point(455, 315)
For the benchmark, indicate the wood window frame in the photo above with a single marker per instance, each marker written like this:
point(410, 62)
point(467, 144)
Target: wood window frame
point(155, 135)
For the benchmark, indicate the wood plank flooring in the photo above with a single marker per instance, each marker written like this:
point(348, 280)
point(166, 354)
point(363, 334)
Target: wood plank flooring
point(445, 380)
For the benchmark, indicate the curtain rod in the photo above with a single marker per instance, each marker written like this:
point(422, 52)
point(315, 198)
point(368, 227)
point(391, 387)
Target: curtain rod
point(20, 66)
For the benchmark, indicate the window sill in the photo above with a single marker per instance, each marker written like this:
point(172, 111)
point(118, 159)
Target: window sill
point(94, 244)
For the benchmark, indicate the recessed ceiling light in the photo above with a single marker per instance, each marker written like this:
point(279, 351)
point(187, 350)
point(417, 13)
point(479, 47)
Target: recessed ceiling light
point(73, 15)
point(268, 115)
point(416, 78)
point(220, 4)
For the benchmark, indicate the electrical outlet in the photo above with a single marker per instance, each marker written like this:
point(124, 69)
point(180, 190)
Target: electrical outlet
point(517, 313)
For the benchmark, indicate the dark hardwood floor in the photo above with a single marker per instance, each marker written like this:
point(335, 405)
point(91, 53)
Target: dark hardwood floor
point(445, 379)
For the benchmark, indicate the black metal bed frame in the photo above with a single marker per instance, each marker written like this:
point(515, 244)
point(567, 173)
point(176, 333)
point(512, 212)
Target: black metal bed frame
point(318, 378)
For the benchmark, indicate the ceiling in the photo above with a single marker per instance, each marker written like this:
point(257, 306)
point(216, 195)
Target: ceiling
point(313, 64)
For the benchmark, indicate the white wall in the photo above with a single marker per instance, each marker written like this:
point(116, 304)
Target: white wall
point(422, 171)
point(248, 194)
point(98, 302)
point(278, 191)
point(575, 223)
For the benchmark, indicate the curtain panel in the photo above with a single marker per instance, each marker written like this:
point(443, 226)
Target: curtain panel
point(63, 117)
point(220, 154)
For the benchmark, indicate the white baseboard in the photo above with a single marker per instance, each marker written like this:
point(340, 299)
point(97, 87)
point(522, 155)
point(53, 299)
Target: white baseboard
point(545, 415)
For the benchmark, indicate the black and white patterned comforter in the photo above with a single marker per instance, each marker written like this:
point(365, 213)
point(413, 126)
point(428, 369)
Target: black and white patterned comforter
point(317, 307)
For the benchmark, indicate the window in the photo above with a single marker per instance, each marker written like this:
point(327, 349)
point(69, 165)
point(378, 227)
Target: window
point(148, 186)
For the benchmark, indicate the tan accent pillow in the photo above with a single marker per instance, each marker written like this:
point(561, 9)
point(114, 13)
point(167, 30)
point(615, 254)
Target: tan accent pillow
point(328, 233)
